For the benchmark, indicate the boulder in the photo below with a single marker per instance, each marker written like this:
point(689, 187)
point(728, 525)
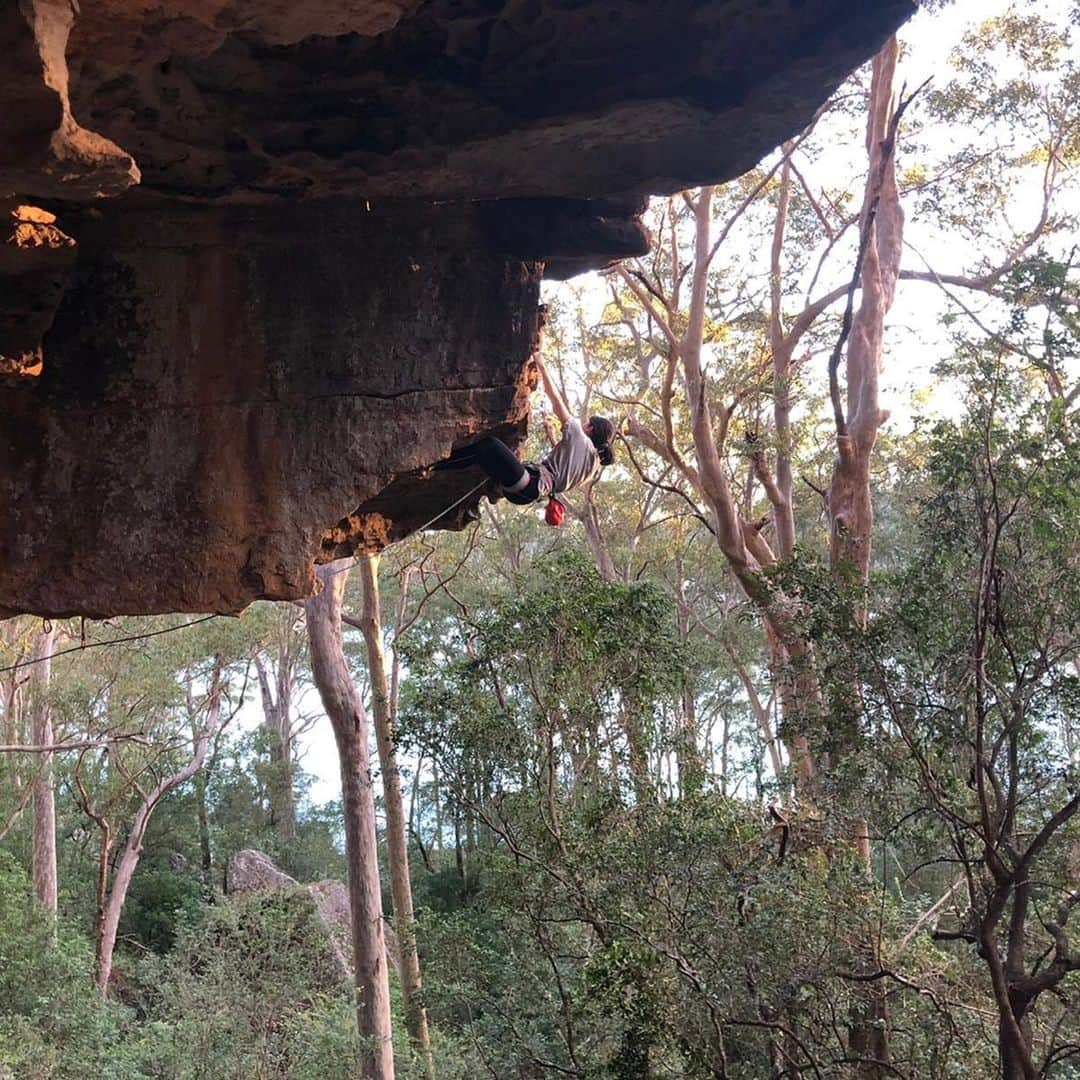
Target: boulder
point(251, 871)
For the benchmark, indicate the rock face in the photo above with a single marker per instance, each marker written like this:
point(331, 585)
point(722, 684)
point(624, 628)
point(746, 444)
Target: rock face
point(221, 389)
point(43, 150)
point(329, 272)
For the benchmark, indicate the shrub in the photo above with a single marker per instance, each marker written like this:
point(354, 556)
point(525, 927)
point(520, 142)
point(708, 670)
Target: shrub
point(53, 1024)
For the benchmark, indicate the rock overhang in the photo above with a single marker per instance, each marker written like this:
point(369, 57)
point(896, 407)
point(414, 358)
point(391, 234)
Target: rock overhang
point(329, 272)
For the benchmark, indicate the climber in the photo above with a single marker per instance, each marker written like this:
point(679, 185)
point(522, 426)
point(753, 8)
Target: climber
point(575, 459)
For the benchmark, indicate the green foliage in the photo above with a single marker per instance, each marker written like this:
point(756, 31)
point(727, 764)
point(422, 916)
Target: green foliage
point(53, 1024)
point(568, 650)
point(160, 899)
point(229, 1000)
point(253, 990)
point(238, 796)
point(620, 952)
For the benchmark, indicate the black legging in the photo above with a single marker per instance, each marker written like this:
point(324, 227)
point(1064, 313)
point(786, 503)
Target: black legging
point(501, 464)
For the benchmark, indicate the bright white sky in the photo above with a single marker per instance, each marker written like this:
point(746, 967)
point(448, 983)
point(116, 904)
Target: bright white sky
point(929, 38)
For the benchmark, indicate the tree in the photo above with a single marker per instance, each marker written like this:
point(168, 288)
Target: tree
point(52, 1021)
point(113, 885)
point(384, 708)
point(344, 707)
point(43, 827)
point(976, 675)
point(278, 668)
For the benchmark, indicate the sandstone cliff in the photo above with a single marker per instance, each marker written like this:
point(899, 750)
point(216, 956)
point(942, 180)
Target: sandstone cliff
point(297, 250)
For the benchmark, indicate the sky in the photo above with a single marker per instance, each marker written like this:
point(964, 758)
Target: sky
point(918, 336)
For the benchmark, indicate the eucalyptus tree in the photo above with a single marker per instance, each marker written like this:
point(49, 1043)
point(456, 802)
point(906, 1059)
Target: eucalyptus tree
point(730, 414)
point(384, 709)
point(345, 708)
point(140, 744)
point(733, 333)
point(280, 664)
point(43, 823)
point(148, 782)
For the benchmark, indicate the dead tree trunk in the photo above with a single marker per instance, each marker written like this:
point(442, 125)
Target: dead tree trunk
point(343, 706)
point(397, 849)
point(43, 830)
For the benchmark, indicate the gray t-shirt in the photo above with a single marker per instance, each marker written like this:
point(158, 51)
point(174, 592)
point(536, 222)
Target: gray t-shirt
point(572, 461)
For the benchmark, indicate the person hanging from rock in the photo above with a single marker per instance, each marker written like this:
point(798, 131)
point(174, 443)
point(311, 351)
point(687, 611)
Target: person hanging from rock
point(575, 459)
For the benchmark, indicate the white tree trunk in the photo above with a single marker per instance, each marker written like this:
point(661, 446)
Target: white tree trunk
point(277, 720)
point(343, 706)
point(849, 499)
point(43, 831)
point(397, 849)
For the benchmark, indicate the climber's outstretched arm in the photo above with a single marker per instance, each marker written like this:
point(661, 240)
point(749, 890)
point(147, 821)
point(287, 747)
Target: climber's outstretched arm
point(558, 403)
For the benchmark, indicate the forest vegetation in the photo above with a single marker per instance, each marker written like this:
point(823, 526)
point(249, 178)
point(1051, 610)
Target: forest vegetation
point(766, 764)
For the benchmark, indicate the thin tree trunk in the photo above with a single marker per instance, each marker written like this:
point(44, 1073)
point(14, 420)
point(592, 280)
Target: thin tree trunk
point(459, 854)
point(206, 853)
point(436, 794)
point(202, 817)
point(593, 533)
point(760, 711)
point(637, 755)
point(43, 845)
point(277, 720)
point(692, 771)
point(416, 810)
point(781, 495)
point(849, 497)
point(113, 907)
point(470, 816)
point(11, 728)
point(396, 836)
point(343, 706)
point(743, 547)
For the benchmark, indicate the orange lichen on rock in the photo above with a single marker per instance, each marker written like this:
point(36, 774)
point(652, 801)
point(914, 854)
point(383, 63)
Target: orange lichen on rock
point(36, 258)
point(25, 366)
point(36, 228)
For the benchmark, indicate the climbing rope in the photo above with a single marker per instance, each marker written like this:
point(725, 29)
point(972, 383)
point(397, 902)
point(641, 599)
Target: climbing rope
point(427, 524)
point(453, 506)
point(84, 644)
